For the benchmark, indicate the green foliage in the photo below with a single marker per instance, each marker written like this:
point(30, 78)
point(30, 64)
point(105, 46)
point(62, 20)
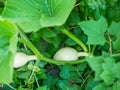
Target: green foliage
point(41, 27)
point(1, 7)
point(116, 85)
point(8, 41)
point(106, 70)
point(65, 85)
point(94, 30)
point(113, 10)
point(114, 30)
point(107, 74)
point(95, 64)
point(101, 87)
point(34, 15)
point(42, 88)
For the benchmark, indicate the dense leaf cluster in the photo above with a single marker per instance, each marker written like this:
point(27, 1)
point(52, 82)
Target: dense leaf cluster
point(41, 27)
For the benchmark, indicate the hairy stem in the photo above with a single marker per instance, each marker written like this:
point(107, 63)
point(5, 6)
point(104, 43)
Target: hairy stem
point(116, 55)
point(82, 54)
point(75, 39)
point(93, 49)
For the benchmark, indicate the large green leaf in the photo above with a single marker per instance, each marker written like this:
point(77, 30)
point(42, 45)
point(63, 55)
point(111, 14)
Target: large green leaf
point(117, 70)
point(8, 41)
point(95, 30)
point(107, 74)
point(116, 43)
point(68, 72)
point(32, 15)
point(114, 30)
point(96, 65)
point(111, 71)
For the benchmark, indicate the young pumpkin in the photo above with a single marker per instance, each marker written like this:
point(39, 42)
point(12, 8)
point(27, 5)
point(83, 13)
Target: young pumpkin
point(21, 59)
point(68, 54)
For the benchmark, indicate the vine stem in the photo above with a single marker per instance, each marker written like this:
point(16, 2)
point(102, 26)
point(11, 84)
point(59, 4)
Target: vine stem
point(86, 78)
point(33, 71)
point(116, 55)
point(110, 43)
point(28, 43)
point(93, 50)
point(37, 81)
point(75, 39)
